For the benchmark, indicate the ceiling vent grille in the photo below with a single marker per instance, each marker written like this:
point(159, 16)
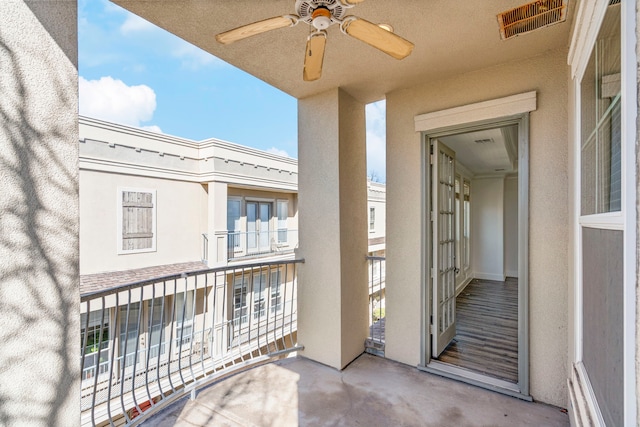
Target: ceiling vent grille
point(484, 141)
point(612, 2)
point(531, 16)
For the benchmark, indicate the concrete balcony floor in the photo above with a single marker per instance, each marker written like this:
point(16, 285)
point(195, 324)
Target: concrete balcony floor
point(370, 392)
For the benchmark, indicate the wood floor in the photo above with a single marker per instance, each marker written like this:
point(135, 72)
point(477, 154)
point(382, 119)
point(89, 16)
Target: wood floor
point(487, 329)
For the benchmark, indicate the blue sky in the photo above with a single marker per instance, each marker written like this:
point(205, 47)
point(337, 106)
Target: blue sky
point(134, 73)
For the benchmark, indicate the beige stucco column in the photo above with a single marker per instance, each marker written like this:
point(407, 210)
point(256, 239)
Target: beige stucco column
point(332, 185)
point(217, 228)
point(39, 278)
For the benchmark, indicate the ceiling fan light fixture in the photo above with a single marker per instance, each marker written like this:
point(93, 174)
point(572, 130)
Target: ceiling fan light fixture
point(387, 27)
point(321, 18)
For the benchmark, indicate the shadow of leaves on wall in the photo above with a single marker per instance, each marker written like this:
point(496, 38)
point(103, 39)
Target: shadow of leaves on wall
point(39, 298)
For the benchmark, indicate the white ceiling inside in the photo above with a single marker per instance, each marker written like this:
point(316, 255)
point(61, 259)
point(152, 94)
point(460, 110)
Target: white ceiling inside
point(450, 37)
point(486, 152)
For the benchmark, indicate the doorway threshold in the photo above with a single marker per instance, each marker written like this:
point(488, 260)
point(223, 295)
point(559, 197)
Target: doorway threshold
point(474, 378)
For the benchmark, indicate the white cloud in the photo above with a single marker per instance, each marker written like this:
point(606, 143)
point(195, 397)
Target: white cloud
point(112, 100)
point(376, 139)
point(278, 152)
point(133, 23)
point(152, 128)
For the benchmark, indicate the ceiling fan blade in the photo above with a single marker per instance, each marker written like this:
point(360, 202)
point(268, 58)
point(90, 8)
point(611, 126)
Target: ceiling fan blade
point(256, 28)
point(314, 56)
point(370, 33)
point(352, 2)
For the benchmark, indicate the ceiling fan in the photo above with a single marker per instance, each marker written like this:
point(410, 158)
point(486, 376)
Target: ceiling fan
point(320, 15)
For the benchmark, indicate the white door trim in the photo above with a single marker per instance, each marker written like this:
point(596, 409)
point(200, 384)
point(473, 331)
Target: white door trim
point(465, 123)
point(487, 110)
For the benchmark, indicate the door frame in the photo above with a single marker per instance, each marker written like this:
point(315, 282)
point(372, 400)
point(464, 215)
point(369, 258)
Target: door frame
point(485, 115)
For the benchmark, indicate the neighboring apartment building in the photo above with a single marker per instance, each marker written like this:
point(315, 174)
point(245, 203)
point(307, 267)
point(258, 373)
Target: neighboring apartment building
point(153, 205)
point(149, 199)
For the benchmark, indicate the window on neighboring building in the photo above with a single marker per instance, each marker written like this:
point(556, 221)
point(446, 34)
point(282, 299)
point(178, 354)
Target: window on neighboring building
point(185, 311)
point(137, 220)
point(129, 328)
point(283, 214)
point(276, 284)
point(259, 294)
point(156, 323)
point(258, 226)
point(96, 349)
point(372, 219)
point(240, 286)
point(233, 222)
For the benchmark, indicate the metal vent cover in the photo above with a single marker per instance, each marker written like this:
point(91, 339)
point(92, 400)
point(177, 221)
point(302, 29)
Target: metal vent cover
point(531, 16)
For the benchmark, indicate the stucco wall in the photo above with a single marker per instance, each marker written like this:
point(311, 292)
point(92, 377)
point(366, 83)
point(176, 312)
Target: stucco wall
point(332, 299)
point(39, 297)
point(545, 74)
point(179, 224)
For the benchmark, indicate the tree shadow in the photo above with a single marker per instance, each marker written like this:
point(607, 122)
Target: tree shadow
point(39, 276)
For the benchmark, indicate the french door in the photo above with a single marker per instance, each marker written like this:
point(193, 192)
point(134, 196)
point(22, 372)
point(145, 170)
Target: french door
point(443, 327)
point(258, 227)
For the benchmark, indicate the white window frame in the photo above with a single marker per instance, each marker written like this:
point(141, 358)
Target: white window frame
point(275, 290)
point(239, 282)
point(590, 15)
point(107, 321)
point(372, 219)
point(188, 321)
point(119, 220)
point(240, 246)
point(259, 300)
point(279, 203)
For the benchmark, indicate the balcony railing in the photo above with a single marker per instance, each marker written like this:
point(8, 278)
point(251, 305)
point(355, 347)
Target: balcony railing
point(242, 244)
point(149, 343)
point(377, 286)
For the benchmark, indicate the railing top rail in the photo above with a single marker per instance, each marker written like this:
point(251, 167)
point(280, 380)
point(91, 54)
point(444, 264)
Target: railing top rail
point(375, 258)
point(130, 286)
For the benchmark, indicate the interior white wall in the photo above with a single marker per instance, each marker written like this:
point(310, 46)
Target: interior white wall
point(487, 228)
point(511, 227)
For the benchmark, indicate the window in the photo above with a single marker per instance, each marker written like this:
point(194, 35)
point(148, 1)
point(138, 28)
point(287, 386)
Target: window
point(458, 217)
point(259, 294)
point(600, 100)
point(129, 328)
point(372, 219)
point(97, 347)
point(258, 227)
point(156, 322)
point(602, 256)
point(276, 284)
point(136, 220)
point(466, 224)
point(283, 214)
point(233, 223)
point(240, 286)
point(185, 310)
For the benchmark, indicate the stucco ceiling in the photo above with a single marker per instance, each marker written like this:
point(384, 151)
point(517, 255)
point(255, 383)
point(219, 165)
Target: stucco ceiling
point(450, 37)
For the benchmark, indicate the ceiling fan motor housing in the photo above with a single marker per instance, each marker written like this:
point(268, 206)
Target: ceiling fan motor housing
point(321, 13)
